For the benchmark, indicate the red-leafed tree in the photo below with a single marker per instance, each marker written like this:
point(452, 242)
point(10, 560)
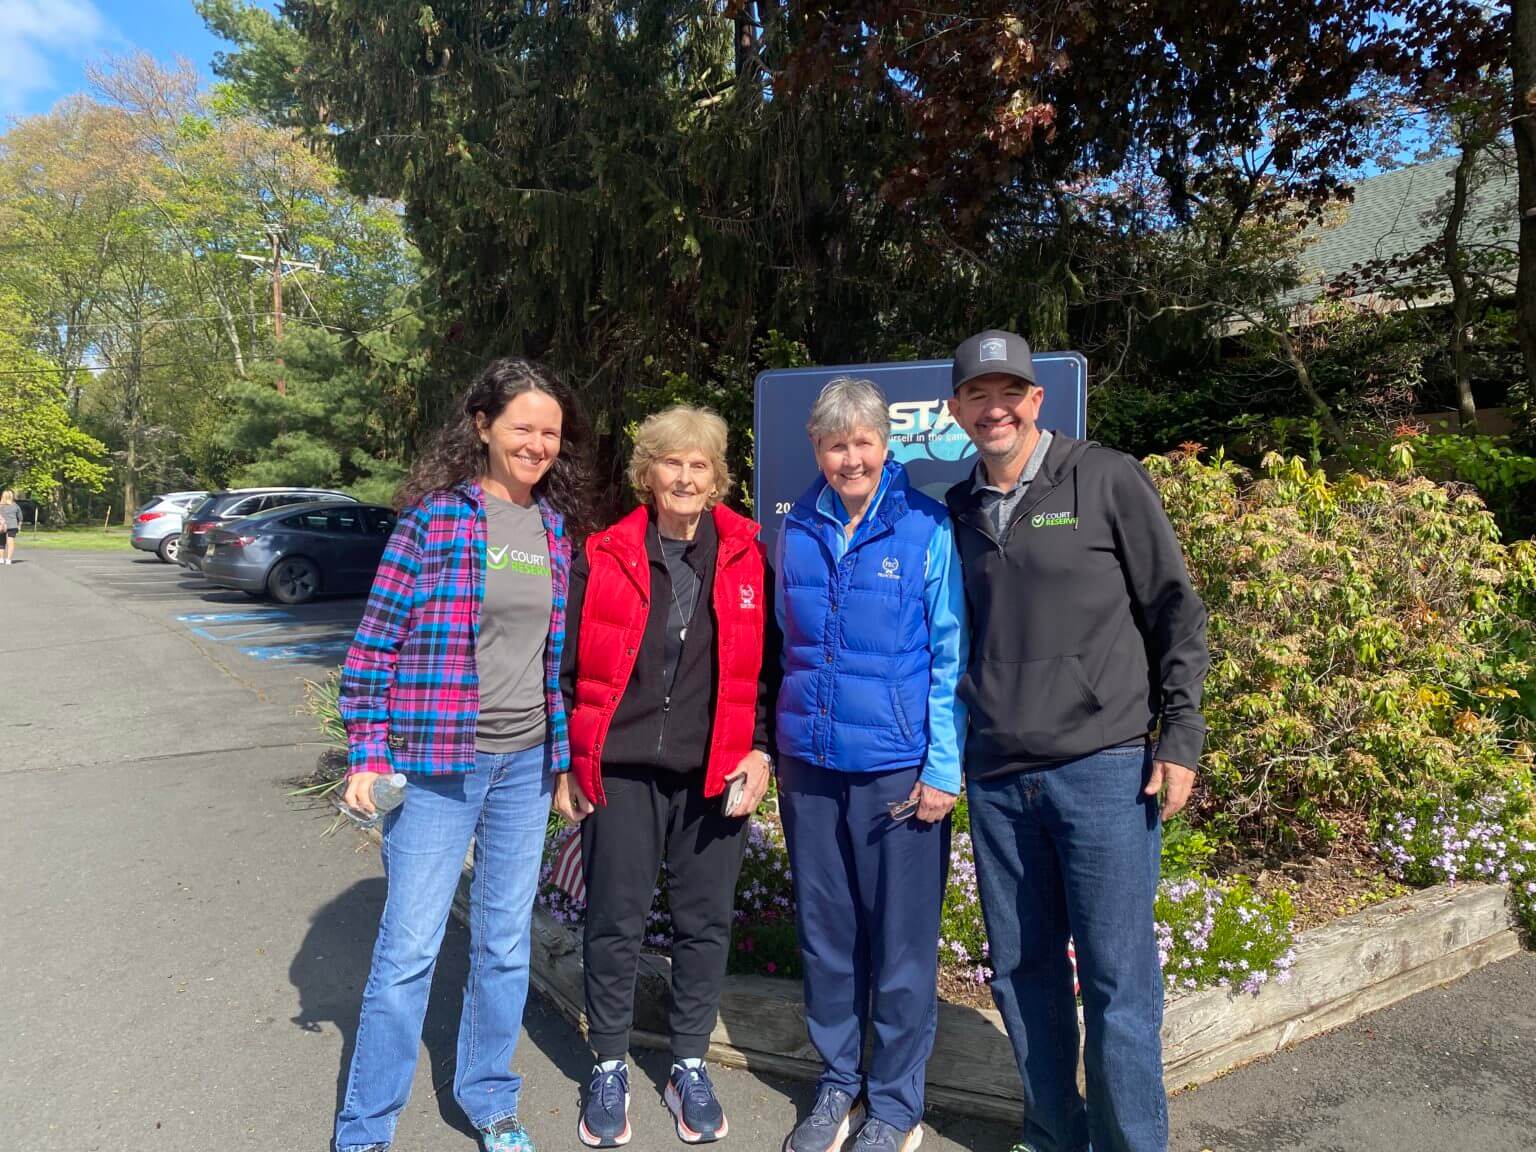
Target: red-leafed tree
point(1260, 102)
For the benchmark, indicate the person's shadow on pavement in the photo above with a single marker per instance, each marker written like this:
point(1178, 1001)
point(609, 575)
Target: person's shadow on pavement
point(331, 968)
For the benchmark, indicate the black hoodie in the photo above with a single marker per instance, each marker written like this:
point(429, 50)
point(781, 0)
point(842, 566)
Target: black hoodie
point(1085, 630)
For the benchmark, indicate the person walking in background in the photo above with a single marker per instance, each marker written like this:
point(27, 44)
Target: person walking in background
point(869, 736)
point(10, 521)
point(453, 679)
point(667, 687)
point(1087, 659)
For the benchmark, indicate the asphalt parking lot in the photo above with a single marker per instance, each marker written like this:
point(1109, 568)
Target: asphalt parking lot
point(184, 951)
point(241, 627)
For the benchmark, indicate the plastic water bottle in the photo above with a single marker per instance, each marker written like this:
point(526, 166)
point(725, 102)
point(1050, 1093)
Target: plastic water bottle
point(388, 793)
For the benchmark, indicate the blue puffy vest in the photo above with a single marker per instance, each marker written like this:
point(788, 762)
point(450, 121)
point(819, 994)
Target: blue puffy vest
point(857, 665)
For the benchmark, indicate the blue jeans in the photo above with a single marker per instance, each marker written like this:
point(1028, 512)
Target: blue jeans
point(504, 806)
point(1073, 850)
point(868, 895)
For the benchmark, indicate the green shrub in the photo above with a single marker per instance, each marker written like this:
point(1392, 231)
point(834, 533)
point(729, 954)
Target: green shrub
point(1505, 478)
point(1366, 639)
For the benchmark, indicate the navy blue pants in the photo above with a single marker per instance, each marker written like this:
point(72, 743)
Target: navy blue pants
point(1073, 850)
point(868, 894)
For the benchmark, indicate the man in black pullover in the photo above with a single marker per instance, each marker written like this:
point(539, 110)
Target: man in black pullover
point(1087, 658)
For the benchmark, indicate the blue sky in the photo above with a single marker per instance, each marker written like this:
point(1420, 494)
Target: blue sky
point(46, 44)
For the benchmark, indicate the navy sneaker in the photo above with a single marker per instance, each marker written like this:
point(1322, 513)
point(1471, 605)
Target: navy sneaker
point(835, 1115)
point(878, 1136)
point(691, 1098)
point(605, 1116)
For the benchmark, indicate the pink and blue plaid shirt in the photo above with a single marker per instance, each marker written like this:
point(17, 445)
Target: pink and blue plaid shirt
point(410, 689)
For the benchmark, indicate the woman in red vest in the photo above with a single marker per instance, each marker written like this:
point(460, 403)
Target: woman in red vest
point(667, 688)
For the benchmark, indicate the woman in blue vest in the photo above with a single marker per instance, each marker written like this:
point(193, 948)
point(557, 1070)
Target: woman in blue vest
point(872, 609)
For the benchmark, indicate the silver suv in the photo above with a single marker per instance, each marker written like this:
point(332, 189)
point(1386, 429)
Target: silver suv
point(157, 523)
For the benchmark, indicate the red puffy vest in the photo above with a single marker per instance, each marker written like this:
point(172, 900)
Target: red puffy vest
point(613, 616)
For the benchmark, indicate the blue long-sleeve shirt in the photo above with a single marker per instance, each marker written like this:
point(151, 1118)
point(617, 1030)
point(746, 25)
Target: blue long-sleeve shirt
point(948, 633)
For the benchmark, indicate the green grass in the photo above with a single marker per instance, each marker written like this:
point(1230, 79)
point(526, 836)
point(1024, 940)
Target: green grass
point(75, 539)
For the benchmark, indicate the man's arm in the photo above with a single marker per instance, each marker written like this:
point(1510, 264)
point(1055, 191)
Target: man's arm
point(1170, 613)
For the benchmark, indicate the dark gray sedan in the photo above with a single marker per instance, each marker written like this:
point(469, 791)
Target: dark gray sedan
point(293, 554)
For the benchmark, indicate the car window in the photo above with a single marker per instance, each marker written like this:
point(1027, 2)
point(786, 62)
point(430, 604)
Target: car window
point(343, 520)
point(240, 508)
point(381, 521)
point(281, 500)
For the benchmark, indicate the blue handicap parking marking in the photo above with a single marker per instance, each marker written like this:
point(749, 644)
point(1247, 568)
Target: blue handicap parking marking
point(243, 634)
point(238, 627)
point(236, 617)
point(303, 650)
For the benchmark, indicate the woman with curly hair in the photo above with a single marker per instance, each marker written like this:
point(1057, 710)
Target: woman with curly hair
point(453, 678)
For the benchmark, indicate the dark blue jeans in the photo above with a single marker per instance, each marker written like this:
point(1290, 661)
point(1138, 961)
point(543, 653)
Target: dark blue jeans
point(868, 894)
point(1073, 850)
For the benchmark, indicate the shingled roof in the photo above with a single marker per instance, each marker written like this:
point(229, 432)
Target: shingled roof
point(1399, 212)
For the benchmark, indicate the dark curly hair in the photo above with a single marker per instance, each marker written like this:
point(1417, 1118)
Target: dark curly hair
point(456, 453)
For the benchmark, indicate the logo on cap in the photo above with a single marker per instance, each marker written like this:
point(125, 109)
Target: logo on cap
point(994, 349)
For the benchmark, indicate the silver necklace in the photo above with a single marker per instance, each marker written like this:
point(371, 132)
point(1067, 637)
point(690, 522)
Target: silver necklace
point(693, 601)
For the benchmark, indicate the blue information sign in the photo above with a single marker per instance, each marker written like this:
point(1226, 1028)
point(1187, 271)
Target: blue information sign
point(924, 436)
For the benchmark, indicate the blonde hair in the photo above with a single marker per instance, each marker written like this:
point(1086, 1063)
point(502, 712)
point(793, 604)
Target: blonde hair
point(680, 429)
point(7, 497)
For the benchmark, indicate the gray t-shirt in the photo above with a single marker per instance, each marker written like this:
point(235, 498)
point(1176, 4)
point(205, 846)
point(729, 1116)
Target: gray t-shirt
point(998, 505)
point(10, 516)
point(514, 628)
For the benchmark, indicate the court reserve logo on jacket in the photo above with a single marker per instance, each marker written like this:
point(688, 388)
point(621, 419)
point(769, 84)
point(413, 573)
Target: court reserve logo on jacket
point(1053, 520)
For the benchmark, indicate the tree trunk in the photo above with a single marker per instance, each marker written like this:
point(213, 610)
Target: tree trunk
point(1461, 291)
point(1324, 413)
point(234, 337)
point(130, 477)
point(1523, 66)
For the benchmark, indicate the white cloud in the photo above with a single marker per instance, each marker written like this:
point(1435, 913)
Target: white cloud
point(36, 33)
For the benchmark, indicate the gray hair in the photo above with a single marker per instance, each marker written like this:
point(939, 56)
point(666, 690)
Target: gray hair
point(846, 403)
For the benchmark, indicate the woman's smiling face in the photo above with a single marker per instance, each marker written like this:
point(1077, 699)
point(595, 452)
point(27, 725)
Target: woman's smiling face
point(852, 461)
point(522, 443)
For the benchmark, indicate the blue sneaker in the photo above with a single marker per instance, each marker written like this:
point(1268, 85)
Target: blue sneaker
point(878, 1136)
point(506, 1136)
point(605, 1115)
point(835, 1115)
point(691, 1098)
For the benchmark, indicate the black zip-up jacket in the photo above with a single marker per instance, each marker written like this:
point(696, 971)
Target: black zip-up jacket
point(1086, 632)
point(651, 729)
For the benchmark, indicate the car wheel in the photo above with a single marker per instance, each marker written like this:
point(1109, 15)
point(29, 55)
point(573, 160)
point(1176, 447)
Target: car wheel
point(294, 580)
point(169, 547)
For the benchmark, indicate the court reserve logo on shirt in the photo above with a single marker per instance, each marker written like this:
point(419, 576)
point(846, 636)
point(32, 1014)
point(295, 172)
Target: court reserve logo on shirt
point(1053, 520)
point(507, 558)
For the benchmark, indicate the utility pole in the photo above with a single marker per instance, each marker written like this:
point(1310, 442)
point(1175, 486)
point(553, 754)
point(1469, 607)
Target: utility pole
point(277, 302)
point(276, 257)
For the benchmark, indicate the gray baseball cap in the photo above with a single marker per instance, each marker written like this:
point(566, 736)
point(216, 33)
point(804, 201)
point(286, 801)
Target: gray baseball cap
point(988, 352)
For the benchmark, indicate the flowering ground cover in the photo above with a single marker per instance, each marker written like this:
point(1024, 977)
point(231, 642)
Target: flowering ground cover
point(1210, 932)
